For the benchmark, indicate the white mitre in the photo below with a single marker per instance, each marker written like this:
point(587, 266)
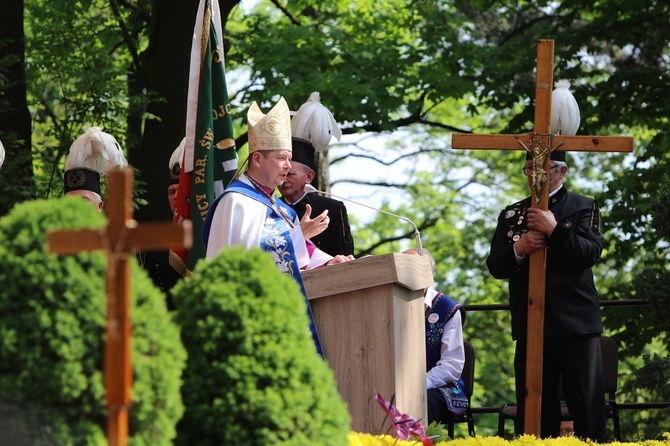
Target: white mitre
point(271, 131)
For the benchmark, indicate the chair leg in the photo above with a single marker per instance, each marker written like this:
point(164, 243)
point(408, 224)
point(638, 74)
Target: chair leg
point(615, 419)
point(471, 423)
point(501, 424)
point(450, 428)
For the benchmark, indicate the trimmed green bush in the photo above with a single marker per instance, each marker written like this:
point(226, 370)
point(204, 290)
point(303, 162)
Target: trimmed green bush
point(52, 315)
point(253, 376)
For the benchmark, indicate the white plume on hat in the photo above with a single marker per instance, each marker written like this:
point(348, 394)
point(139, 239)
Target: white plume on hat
point(178, 154)
point(564, 110)
point(2, 154)
point(95, 150)
point(315, 123)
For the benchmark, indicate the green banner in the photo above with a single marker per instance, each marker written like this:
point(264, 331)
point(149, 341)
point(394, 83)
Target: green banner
point(214, 157)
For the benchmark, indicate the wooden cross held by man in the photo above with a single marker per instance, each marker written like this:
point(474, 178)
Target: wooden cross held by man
point(118, 239)
point(540, 143)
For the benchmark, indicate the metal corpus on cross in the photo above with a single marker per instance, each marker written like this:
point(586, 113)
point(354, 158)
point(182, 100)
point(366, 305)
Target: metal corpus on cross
point(540, 143)
point(118, 239)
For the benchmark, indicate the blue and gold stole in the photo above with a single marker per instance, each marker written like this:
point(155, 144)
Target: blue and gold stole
point(276, 239)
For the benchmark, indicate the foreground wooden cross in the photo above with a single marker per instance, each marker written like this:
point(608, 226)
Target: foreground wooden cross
point(121, 236)
point(540, 143)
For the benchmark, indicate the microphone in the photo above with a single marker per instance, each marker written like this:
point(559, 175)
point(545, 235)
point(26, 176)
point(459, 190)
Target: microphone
point(417, 236)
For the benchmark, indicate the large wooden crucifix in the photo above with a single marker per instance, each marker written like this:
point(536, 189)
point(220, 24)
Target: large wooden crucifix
point(540, 143)
point(118, 239)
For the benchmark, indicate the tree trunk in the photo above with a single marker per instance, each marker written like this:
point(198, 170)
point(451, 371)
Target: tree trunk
point(165, 65)
point(16, 175)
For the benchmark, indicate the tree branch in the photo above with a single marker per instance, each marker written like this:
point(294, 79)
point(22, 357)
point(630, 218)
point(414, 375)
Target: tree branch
point(425, 224)
point(225, 8)
point(141, 13)
point(292, 18)
point(125, 34)
point(370, 183)
point(387, 163)
point(415, 118)
point(519, 30)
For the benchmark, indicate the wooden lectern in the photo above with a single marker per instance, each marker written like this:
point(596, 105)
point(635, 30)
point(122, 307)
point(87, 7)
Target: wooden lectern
point(370, 317)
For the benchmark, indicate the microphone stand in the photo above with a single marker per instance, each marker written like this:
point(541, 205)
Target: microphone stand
point(417, 236)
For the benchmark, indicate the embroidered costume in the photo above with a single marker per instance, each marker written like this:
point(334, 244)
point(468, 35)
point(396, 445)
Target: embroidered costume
point(445, 354)
point(244, 216)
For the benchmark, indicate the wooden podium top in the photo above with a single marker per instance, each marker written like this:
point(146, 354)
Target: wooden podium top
point(411, 271)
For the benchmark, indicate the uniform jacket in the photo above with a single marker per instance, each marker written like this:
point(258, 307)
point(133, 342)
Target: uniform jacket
point(571, 299)
point(164, 276)
point(336, 239)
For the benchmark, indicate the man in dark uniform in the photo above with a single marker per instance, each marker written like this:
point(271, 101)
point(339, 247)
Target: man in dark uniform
point(571, 232)
point(313, 127)
point(157, 263)
point(336, 238)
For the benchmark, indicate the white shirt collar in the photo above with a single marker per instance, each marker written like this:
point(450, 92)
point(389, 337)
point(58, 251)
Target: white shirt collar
point(556, 190)
point(428, 297)
point(296, 201)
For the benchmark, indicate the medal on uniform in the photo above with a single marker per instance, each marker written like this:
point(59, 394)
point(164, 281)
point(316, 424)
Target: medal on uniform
point(433, 317)
point(516, 238)
point(510, 213)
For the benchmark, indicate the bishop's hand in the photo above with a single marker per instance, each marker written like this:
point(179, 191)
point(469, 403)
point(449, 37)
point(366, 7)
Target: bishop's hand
point(313, 226)
point(340, 259)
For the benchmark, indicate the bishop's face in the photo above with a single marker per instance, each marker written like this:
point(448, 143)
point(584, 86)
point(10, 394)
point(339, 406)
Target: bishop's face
point(270, 167)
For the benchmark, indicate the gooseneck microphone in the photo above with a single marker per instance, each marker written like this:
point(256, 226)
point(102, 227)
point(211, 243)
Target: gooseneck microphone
point(417, 236)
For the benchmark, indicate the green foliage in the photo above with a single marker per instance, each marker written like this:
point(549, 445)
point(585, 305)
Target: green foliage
point(660, 209)
point(159, 359)
point(52, 318)
point(437, 432)
point(652, 283)
point(656, 375)
point(253, 375)
point(81, 81)
point(373, 62)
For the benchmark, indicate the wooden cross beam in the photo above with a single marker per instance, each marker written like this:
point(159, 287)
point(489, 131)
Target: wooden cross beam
point(540, 143)
point(121, 236)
